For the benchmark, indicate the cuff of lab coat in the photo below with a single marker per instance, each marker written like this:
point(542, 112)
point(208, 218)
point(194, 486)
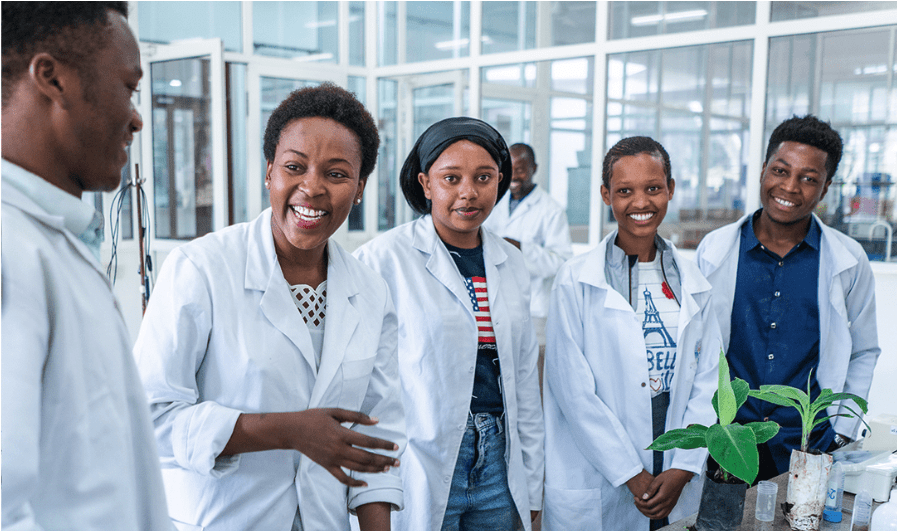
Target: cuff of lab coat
point(199, 437)
point(363, 496)
point(636, 470)
point(690, 460)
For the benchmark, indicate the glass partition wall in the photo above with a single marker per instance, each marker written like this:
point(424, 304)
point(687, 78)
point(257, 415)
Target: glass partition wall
point(707, 79)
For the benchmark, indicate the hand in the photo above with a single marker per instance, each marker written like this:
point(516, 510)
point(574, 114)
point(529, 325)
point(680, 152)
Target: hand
point(638, 486)
point(317, 434)
point(663, 493)
point(513, 242)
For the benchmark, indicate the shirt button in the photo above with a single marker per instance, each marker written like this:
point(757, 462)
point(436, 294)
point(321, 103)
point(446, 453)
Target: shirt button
point(447, 479)
point(771, 356)
point(778, 293)
point(460, 426)
point(773, 325)
point(763, 247)
point(470, 369)
point(765, 419)
point(643, 384)
point(781, 264)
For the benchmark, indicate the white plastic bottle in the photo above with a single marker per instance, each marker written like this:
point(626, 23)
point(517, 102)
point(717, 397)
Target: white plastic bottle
point(885, 516)
point(835, 494)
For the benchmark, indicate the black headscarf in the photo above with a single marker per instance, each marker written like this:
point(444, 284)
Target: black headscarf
point(436, 139)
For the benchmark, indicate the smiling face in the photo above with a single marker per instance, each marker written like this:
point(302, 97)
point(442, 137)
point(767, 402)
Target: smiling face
point(522, 174)
point(462, 185)
point(793, 181)
point(101, 122)
point(638, 195)
point(313, 182)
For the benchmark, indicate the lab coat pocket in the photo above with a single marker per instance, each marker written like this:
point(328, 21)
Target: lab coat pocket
point(568, 509)
point(356, 375)
point(181, 526)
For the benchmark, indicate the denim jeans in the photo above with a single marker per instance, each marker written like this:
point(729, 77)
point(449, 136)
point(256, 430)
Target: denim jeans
point(479, 498)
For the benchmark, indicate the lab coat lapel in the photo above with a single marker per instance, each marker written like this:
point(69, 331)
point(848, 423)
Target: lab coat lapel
point(440, 263)
point(263, 273)
point(342, 319)
point(593, 275)
point(524, 205)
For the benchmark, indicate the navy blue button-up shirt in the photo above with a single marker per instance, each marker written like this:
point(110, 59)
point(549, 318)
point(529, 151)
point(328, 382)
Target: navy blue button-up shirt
point(775, 333)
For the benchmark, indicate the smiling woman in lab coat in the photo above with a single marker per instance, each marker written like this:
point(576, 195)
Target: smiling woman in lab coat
point(262, 338)
point(467, 351)
point(632, 351)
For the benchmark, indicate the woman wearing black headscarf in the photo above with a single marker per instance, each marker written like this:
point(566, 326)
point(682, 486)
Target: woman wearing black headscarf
point(467, 352)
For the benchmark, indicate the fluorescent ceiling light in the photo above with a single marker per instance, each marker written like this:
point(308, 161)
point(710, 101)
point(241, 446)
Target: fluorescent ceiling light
point(679, 16)
point(175, 83)
point(457, 44)
point(320, 24)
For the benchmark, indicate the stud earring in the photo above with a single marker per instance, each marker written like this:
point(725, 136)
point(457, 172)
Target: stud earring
point(267, 184)
point(357, 200)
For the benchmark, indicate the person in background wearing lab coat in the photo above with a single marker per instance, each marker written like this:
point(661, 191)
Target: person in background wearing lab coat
point(533, 222)
point(795, 299)
point(78, 449)
point(633, 351)
point(263, 338)
point(467, 352)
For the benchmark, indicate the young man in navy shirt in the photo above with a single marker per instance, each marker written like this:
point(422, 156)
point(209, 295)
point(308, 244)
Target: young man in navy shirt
point(795, 298)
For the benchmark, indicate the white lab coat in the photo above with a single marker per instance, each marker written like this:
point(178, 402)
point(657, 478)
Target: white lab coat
point(222, 336)
point(78, 448)
point(540, 225)
point(848, 346)
point(598, 420)
point(437, 356)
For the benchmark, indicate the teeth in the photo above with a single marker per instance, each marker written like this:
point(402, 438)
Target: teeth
point(642, 217)
point(308, 213)
point(783, 202)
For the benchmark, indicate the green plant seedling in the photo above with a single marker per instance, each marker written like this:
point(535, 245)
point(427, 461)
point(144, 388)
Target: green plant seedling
point(733, 446)
point(785, 395)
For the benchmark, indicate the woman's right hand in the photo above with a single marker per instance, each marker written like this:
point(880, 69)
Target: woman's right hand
point(319, 435)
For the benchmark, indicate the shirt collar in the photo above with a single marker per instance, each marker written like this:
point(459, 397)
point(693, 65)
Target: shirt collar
point(78, 216)
point(750, 241)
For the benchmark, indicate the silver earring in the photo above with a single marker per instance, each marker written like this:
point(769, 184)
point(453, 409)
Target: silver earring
point(358, 201)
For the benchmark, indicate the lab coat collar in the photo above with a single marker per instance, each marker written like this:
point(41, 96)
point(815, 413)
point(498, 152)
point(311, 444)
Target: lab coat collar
point(263, 273)
point(441, 265)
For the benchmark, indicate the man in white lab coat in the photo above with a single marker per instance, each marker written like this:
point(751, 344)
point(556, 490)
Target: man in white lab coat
point(795, 299)
point(78, 449)
point(531, 220)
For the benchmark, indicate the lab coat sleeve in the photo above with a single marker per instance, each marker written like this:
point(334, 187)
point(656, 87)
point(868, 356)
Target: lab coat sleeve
point(597, 432)
point(860, 301)
point(530, 423)
point(169, 350)
point(384, 401)
point(700, 409)
point(544, 259)
point(25, 344)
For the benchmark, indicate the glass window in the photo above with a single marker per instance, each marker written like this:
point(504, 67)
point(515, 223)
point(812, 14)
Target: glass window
point(356, 33)
point(519, 75)
point(796, 10)
point(511, 118)
point(509, 26)
point(572, 22)
point(236, 142)
point(700, 113)
point(182, 148)
point(356, 85)
point(166, 22)
point(411, 32)
point(640, 19)
point(305, 30)
point(849, 81)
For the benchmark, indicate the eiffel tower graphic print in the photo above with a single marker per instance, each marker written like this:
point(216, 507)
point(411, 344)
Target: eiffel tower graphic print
point(653, 326)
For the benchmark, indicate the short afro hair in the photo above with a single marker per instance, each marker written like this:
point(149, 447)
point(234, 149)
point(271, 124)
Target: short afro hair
point(811, 131)
point(526, 148)
point(326, 101)
point(72, 32)
point(634, 145)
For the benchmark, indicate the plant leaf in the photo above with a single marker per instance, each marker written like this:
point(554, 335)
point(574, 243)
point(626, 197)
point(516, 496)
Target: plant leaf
point(725, 395)
point(763, 431)
point(789, 392)
point(685, 438)
point(773, 397)
point(834, 397)
point(741, 390)
point(734, 447)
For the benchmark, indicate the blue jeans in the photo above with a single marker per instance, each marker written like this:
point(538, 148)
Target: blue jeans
point(479, 498)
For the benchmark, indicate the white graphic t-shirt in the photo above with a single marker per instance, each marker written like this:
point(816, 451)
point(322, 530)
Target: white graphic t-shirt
point(659, 313)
